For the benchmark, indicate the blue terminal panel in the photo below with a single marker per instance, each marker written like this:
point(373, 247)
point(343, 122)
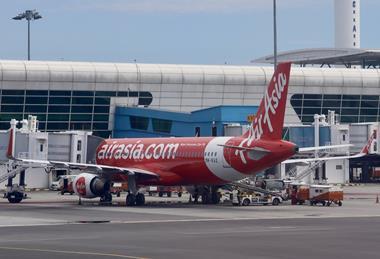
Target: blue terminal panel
point(144, 122)
point(303, 136)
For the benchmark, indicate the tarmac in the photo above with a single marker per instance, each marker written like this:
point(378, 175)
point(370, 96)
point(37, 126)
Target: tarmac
point(50, 225)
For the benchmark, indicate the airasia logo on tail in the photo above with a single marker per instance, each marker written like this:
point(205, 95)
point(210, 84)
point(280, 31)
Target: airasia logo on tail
point(80, 185)
point(273, 103)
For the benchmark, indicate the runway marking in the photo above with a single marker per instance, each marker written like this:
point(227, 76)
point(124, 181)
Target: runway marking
point(70, 252)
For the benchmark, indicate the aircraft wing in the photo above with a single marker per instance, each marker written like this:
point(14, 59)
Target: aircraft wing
point(363, 152)
point(93, 168)
point(308, 149)
point(308, 160)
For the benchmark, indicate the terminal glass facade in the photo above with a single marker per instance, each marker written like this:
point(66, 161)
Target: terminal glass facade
point(351, 108)
point(59, 110)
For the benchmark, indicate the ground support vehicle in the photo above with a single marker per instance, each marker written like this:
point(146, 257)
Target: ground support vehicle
point(325, 195)
point(245, 199)
point(66, 184)
point(299, 193)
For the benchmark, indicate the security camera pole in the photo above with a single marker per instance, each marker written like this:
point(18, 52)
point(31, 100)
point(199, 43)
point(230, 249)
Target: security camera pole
point(28, 15)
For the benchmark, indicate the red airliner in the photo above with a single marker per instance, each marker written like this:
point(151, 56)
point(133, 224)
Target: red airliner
point(192, 161)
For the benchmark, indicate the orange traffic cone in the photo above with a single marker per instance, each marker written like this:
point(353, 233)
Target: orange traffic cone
point(377, 199)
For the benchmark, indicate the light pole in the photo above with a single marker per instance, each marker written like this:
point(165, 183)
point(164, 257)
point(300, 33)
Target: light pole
point(28, 15)
point(274, 36)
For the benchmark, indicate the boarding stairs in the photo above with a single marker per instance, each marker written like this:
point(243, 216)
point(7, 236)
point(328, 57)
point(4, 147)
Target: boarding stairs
point(240, 184)
point(11, 172)
point(296, 175)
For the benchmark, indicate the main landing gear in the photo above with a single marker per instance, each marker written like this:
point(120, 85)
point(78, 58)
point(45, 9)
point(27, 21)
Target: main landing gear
point(134, 198)
point(106, 198)
point(208, 193)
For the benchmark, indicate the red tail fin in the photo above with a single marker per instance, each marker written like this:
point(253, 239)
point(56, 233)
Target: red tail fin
point(269, 119)
point(365, 149)
point(10, 144)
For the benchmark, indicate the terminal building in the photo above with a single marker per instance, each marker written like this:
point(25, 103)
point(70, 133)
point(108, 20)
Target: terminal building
point(84, 96)
point(156, 100)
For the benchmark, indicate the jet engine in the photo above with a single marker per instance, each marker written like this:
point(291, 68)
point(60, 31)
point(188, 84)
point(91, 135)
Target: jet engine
point(88, 185)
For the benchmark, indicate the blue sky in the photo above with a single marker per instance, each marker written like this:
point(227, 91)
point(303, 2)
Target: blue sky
point(172, 31)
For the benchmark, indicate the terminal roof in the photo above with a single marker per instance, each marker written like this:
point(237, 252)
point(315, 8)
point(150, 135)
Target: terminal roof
point(365, 58)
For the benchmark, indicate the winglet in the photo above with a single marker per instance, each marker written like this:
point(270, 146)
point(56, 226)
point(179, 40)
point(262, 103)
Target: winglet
point(366, 148)
point(269, 119)
point(10, 145)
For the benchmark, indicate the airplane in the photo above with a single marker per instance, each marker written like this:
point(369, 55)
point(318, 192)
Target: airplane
point(209, 162)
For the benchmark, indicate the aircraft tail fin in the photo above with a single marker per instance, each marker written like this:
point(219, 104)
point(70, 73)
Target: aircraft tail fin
point(366, 148)
point(10, 153)
point(269, 119)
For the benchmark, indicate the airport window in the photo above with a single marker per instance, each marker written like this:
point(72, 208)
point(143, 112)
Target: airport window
point(81, 109)
point(12, 108)
point(101, 117)
point(80, 126)
point(8, 116)
point(59, 109)
point(105, 93)
point(146, 98)
point(41, 147)
point(81, 117)
point(35, 108)
point(58, 126)
point(372, 112)
point(12, 99)
point(83, 93)
point(37, 92)
point(160, 125)
point(82, 100)
point(312, 103)
point(59, 100)
point(13, 92)
point(101, 126)
point(347, 111)
point(102, 100)
point(137, 122)
point(331, 103)
point(101, 109)
point(79, 145)
point(369, 104)
point(59, 93)
point(58, 117)
point(339, 167)
point(78, 158)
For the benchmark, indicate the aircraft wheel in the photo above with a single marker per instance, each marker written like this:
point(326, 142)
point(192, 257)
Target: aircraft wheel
point(140, 199)
point(275, 202)
point(107, 198)
point(15, 197)
point(130, 200)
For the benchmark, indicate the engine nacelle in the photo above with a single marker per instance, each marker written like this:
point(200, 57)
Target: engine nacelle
point(88, 185)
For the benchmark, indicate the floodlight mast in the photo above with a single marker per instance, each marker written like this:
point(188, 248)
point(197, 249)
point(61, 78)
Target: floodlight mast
point(28, 15)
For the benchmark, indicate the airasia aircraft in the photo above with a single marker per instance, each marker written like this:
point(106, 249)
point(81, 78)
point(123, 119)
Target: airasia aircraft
point(192, 161)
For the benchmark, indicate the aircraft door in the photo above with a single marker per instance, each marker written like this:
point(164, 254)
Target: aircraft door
point(227, 157)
